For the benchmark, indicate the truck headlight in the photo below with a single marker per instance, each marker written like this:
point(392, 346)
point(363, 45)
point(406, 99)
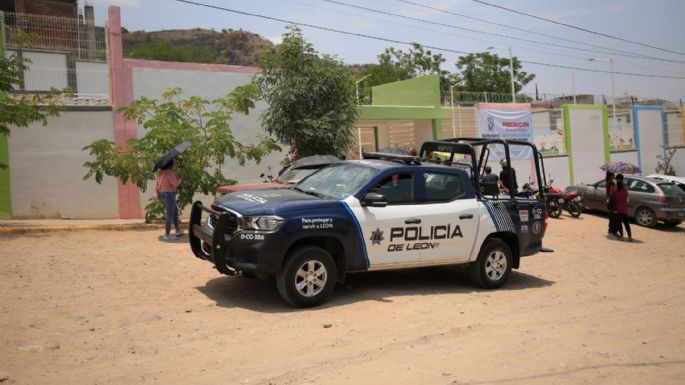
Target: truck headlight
point(267, 223)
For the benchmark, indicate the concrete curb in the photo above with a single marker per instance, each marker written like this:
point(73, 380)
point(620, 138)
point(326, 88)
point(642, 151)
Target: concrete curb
point(37, 229)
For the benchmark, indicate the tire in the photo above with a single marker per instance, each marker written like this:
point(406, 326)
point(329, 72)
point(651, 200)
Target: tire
point(553, 209)
point(307, 277)
point(493, 266)
point(573, 209)
point(644, 216)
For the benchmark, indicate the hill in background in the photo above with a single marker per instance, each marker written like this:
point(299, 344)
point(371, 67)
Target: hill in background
point(196, 46)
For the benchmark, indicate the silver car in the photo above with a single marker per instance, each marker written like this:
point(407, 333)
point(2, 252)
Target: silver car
point(650, 200)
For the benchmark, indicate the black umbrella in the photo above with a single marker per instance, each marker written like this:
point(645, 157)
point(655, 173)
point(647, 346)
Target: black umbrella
point(171, 155)
point(315, 161)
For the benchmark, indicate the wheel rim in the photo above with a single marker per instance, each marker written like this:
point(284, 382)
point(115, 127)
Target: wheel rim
point(311, 278)
point(644, 217)
point(495, 265)
point(555, 211)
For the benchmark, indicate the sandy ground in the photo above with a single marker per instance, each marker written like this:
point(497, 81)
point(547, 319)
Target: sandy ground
point(120, 307)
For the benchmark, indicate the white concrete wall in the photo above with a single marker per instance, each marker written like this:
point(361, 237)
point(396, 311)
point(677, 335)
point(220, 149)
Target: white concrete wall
point(627, 156)
point(587, 138)
point(46, 168)
point(650, 126)
point(674, 129)
point(210, 85)
point(46, 71)
point(678, 162)
point(557, 171)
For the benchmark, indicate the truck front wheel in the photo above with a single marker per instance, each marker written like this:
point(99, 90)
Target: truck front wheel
point(493, 266)
point(308, 276)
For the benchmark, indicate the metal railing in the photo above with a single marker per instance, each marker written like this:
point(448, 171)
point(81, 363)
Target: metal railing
point(61, 53)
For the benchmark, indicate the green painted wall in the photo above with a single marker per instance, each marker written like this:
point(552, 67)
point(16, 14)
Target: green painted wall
point(421, 91)
point(403, 113)
point(412, 99)
point(5, 201)
point(437, 129)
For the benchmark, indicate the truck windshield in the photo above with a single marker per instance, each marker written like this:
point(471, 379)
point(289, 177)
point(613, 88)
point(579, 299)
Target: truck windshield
point(337, 181)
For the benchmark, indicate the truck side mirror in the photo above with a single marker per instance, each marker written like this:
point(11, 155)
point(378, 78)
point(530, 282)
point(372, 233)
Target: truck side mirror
point(374, 200)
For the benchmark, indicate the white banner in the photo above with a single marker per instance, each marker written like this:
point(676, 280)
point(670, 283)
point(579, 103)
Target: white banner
point(508, 124)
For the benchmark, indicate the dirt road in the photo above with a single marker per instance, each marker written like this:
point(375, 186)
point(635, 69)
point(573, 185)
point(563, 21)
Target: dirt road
point(123, 308)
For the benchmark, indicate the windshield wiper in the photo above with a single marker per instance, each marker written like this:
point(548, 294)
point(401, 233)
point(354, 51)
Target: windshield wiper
point(313, 193)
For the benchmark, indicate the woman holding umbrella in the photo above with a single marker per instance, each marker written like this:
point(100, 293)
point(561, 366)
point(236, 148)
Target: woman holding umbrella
point(167, 186)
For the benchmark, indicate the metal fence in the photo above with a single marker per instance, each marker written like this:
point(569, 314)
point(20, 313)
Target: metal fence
point(62, 53)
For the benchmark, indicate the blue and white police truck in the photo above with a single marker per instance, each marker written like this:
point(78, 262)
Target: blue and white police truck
point(383, 212)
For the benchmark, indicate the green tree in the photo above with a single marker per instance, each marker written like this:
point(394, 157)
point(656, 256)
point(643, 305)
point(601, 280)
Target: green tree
point(484, 71)
point(395, 65)
point(169, 122)
point(311, 98)
point(21, 110)
point(165, 51)
point(664, 164)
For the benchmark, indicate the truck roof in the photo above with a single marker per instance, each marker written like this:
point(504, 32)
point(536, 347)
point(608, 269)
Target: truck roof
point(386, 164)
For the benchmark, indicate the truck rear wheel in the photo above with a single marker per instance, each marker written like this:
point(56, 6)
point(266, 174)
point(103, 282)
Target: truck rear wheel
point(493, 266)
point(308, 276)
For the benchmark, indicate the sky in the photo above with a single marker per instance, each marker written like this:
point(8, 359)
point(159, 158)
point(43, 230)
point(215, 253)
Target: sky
point(441, 24)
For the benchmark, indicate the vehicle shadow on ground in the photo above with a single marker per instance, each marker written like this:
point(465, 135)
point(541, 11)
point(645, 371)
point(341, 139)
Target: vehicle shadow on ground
point(258, 295)
point(659, 226)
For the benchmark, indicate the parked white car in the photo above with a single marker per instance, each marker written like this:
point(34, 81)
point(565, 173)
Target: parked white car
point(680, 181)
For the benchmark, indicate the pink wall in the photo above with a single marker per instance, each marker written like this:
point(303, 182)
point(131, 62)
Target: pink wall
point(128, 195)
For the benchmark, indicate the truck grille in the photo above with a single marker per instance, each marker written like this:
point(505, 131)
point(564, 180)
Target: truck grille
point(231, 224)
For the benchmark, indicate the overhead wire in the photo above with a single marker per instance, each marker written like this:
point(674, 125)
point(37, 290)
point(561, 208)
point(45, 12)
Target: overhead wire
point(463, 36)
point(577, 28)
point(537, 33)
point(367, 36)
point(498, 34)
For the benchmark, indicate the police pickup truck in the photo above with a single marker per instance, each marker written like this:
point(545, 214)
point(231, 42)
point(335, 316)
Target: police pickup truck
point(390, 212)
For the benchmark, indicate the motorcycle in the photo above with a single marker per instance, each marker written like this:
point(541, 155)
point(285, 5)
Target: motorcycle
point(557, 200)
point(569, 200)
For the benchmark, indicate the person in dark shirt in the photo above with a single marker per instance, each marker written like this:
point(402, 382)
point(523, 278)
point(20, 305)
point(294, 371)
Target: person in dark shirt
point(489, 177)
point(610, 189)
point(621, 195)
point(511, 187)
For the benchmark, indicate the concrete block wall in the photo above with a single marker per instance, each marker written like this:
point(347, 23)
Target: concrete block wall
point(46, 168)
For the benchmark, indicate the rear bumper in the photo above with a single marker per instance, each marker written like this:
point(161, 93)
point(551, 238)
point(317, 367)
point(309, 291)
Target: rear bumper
point(670, 214)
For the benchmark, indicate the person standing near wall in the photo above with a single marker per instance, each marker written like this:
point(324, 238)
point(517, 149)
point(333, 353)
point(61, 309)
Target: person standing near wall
point(167, 186)
point(622, 208)
point(610, 191)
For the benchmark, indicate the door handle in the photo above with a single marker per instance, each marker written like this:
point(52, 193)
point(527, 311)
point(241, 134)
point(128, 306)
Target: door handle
point(466, 216)
point(413, 221)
